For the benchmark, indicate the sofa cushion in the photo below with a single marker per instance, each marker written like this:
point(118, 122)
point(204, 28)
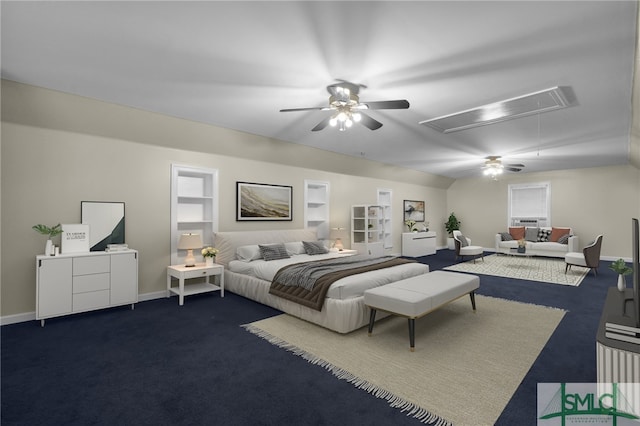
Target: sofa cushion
point(531, 234)
point(549, 246)
point(543, 235)
point(557, 233)
point(564, 239)
point(505, 236)
point(517, 232)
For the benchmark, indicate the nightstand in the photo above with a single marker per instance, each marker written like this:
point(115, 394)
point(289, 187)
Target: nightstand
point(201, 270)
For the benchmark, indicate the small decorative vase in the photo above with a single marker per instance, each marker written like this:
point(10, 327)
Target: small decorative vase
point(48, 248)
point(622, 285)
point(209, 260)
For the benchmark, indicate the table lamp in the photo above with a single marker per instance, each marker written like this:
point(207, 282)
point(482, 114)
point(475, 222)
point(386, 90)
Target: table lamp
point(336, 234)
point(189, 242)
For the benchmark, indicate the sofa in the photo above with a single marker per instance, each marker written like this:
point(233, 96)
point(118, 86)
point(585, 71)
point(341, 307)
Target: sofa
point(540, 241)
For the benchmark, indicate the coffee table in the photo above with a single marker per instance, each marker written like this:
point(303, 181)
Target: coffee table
point(514, 252)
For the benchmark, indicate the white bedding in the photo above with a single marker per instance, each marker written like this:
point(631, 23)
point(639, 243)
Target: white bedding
point(344, 309)
point(345, 288)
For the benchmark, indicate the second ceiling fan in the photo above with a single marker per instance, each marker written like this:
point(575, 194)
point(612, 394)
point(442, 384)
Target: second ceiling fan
point(493, 166)
point(347, 109)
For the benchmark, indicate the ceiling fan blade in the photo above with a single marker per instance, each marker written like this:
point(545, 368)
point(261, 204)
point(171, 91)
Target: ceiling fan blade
point(514, 165)
point(513, 169)
point(305, 109)
point(321, 125)
point(399, 104)
point(369, 122)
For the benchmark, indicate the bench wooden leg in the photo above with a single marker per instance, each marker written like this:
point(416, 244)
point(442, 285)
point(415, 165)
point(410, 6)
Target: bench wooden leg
point(412, 334)
point(472, 295)
point(372, 319)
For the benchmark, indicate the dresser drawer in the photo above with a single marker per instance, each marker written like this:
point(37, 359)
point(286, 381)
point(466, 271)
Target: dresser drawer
point(86, 283)
point(90, 300)
point(91, 265)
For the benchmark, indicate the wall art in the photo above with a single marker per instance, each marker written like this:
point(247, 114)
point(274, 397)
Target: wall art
point(106, 223)
point(414, 210)
point(259, 201)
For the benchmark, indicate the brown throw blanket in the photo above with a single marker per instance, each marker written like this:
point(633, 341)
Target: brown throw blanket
point(315, 297)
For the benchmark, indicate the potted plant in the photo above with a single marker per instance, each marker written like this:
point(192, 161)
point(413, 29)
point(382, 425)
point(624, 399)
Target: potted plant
point(209, 254)
point(621, 268)
point(522, 245)
point(452, 224)
point(411, 224)
point(50, 231)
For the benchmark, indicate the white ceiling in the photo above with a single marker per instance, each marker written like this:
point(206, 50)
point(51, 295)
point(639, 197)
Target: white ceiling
point(236, 64)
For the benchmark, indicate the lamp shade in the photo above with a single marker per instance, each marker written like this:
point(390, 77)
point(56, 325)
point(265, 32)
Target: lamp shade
point(190, 241)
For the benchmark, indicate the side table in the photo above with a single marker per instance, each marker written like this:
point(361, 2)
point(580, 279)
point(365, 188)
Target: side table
point(201, 270)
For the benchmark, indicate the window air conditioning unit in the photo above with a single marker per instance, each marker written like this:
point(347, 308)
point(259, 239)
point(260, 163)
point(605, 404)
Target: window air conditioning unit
point(533, 223)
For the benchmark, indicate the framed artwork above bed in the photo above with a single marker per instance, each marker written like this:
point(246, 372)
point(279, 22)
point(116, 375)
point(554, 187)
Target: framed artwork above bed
point(414, 210)
point(260, 201)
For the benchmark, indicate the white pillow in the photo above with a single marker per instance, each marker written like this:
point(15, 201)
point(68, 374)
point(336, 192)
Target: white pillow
point(294, 248)
point(248, 253)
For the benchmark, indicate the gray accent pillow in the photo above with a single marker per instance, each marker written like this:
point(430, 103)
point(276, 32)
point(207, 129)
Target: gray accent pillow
point(531, 234)
point(314, 247)
point(564, 239)
point(506, 236)
point(463, 240)
point(273, 251)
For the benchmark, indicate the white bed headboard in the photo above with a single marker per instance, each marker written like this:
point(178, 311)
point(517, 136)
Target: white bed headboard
point(228, 242)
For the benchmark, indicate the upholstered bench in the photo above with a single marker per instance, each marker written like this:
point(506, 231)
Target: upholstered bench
point(417, 296)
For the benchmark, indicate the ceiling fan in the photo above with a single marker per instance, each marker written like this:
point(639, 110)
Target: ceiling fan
point(493, 166)
point(347, 108)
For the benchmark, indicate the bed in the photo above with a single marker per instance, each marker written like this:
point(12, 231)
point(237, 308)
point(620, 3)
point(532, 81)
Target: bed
point(343, 310)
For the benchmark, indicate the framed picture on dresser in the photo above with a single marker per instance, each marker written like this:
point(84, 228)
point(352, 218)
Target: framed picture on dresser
point(106, 223)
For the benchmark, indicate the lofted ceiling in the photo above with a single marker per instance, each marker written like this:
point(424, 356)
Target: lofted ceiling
point(236, 64)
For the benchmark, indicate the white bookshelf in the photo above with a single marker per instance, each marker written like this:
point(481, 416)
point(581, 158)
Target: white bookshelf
point(194, 206)
point(316, 207)
point(385, 197)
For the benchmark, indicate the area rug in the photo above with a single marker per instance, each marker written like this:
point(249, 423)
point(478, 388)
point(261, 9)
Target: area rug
point(532, 268)
point(465, 368)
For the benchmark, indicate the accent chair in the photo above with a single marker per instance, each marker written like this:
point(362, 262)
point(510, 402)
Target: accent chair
point(464, 247)
point(589, 258)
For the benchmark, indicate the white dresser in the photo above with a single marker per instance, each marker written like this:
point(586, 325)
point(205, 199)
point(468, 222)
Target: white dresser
point(415, 244)
point(80, 282)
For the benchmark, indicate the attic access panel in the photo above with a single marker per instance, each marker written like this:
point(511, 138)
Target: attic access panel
point(521, 106)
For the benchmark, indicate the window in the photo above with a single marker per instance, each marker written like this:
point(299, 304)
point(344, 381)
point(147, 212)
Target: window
point(530, 204)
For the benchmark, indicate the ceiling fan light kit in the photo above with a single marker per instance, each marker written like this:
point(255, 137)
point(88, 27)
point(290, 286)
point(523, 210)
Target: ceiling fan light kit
point(345, 104)
point(493, 167)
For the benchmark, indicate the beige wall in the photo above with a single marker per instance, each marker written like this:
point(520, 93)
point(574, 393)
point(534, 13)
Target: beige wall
point(58, 150)
point(592, 201)
point(48, 171)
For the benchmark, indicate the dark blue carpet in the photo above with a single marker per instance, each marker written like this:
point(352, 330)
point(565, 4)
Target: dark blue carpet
point(162, 364)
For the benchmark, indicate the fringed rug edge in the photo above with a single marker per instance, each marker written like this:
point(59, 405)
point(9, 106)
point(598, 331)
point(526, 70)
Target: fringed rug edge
point(394, 401)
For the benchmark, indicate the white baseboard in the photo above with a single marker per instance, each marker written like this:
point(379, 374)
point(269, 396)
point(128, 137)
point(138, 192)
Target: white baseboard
point(31, 316)
point(13, 319)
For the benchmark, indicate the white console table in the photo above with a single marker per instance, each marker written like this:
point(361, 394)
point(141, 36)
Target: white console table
point(80, 282)
point(415, 244)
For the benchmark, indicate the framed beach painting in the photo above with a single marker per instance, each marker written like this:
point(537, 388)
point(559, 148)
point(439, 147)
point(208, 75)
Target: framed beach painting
point(414, 210)
point(259, 201)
